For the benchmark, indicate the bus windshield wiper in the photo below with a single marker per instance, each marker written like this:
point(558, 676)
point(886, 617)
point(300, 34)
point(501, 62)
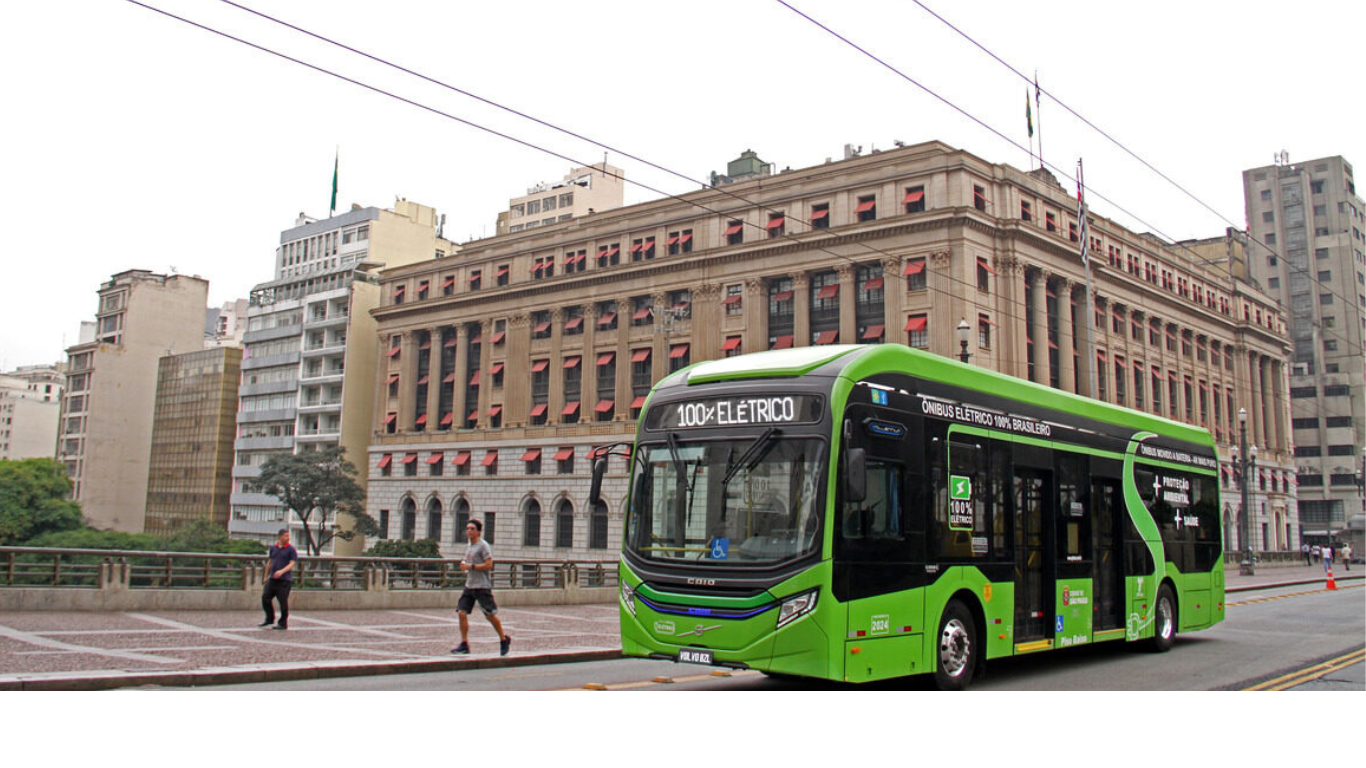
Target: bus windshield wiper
point(752, 454)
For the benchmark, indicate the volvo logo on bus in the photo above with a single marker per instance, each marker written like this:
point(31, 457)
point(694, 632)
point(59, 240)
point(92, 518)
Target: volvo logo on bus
point(701, 582)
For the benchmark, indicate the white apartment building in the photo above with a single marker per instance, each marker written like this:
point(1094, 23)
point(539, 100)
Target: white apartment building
point(582, 191)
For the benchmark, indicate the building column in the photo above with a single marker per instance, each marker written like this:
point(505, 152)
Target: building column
point(705, 323)
point(486, 352)
point(381, 411)
point(1255, 426)
point(848, 303)
point(588, 382)
point(462, 377)
point(554, 400)
point(1038, 313)
point(407, 382)
point(433, 378)
point(1264, 411)
point(1068, 350)
point(801, 309)
point(1010, 314)
point(756, 315)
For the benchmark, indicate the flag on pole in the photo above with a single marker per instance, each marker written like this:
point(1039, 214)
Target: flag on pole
point(335, 161)
point(1029, 114)
point(1082, 232)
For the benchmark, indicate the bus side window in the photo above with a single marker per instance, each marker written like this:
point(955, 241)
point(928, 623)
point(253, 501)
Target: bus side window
point(879, 515)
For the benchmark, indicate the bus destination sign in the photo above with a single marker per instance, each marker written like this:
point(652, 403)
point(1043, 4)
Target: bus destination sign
point(739, 411)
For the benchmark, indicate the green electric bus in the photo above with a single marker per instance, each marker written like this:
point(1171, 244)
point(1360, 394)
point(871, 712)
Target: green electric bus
point(859, 513)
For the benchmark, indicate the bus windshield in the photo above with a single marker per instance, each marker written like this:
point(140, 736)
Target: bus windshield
point(751, 501)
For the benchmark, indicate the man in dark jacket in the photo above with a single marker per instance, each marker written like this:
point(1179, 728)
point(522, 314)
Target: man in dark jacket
point(279, 579)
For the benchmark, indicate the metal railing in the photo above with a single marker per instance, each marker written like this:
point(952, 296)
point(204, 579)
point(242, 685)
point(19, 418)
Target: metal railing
point(91, 568)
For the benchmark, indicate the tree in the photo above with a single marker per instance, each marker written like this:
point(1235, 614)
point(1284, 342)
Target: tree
point(206, 536)
point(316, 486)
point(35, 499)
point(405, 549)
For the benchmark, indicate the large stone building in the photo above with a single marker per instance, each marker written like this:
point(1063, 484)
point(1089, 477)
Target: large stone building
point(193, 426)
point(111, 384)
point(492, 393)
point(1308, 232)
point(310, 346)
point(30, 408)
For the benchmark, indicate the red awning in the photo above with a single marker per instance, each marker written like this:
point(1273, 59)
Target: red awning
point(605, 405)
point(531, 454)
point(1100, 354)
point(421, 420)
point(386, 460)
point(410, 458)
point(639, 402)
point(827, 337)
point(541, 327)
point(573, 322)
point(982, 262)
point(425, 345)
point(495, 369)
point(393, 378)
point(677, 351)
point(564, 454)
point(685, 237)
point(450, 377)
point(643, 313)
point(607, 319)
point(572, 362)
point(732, 342)
point(732, 229)
point(606, 358)
point(502, 272)
point(495, 410)
point(461, 459)
point(828, 292)
point(539, 410)
point(916, 323)
point(914, 267)
point(736, 299)
point(451, 342)
point(820, 214)
point(447, 419)
point(423, 380)
point(472, 278)
point(865, 206)
point(450, 281)
point(672, 239)
point(873, 284)
point(914, 197)
point(613, 251)
point(570, 408)
point(478, 337)
point(776, 222)
point(490, 458)
point(640, 356)
point(474, 379)
point(390, 419)
point(874, 332)
point(782, 342)
point(437, 457)
point(393, 351)
point(635, 247)
point(399, 291)
point(540, 365)
point(783, 296)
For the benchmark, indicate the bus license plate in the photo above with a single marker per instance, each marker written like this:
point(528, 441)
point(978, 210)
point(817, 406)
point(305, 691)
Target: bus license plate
point(694, 656)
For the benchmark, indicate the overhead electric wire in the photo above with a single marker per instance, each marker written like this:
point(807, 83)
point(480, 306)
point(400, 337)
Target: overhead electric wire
point(1174, 241)
point(530, 145)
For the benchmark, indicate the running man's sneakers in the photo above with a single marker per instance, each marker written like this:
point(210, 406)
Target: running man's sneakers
point(463, 649)
point(503, 645)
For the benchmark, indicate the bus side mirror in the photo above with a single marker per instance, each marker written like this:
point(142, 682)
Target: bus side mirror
point(855, 475)
point(595, 489)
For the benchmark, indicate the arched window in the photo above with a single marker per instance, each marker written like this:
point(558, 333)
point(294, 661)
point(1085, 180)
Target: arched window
point(531, 524)
point(462, 519)
point(597, 526)
point(408, 517)
point(564, 524)
point(434, 519)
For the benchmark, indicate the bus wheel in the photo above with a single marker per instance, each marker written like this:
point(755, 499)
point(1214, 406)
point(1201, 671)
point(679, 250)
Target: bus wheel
point(1164, 633)
point(957, 648)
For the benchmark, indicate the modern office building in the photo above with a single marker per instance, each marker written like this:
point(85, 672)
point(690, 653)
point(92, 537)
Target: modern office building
point(30, 409)
point(1308, 251)
point(111, 384)
point(194, 423)
point(582, 191)
point(309, 365)
point(493, 394)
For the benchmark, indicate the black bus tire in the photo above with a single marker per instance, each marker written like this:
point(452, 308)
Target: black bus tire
point(1164, 621)
point(957, 650)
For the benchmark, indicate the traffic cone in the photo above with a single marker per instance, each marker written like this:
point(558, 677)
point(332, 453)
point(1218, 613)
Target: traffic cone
point(1331, 584)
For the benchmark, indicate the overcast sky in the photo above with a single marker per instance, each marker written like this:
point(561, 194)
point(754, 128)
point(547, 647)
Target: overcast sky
point(135, 141)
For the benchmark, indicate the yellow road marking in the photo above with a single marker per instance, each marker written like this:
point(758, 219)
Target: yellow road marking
point(1309, 674)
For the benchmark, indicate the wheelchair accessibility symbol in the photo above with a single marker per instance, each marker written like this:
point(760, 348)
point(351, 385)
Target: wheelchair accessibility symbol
point(1059, 626)
point(720, 549)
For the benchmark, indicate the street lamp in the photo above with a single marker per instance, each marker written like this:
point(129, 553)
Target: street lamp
point(1247, 460)
point(963, 331)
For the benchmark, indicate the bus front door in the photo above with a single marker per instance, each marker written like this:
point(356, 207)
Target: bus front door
point(1033, 558)
point(1109, 573)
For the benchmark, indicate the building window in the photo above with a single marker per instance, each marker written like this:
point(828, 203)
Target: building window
point(984, 331)
point(777, 225)
point(564, 524)
point(866, 210)
point(984, 273)
point(609, 255)
point(979, 198)
point(914, 199)
point(820, 216)
point(918, 333)
point(735, 232)
point(436, 464)
point(643, 311)
point(915, 275)
point(735, 300)
point(532, 459)
point(564, 461)
point(597, 526)
point(531, 524)
point(1026, 213)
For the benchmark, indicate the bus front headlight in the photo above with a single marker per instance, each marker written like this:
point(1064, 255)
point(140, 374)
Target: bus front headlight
point(796, 607)
point(628, 598)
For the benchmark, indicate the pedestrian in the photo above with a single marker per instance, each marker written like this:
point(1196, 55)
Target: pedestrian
point(1347, 557)
point(1317, 551)
point(280, 561)
point(1304, 548)
point(478, 567)
point(1327, 558)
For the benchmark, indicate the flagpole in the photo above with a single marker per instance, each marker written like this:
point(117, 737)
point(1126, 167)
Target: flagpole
point(1038, 108)
point(1029, 122)
point(1090, 293)
point(336, 162)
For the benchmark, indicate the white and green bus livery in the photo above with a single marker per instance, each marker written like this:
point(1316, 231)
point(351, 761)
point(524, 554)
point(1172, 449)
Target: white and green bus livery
point(859, 513)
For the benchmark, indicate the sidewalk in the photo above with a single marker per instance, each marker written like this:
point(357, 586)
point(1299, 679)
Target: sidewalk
point(42, 650)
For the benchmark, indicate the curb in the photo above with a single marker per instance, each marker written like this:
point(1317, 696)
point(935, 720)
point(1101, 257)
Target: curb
point(1294, 583)
point(273, 673)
